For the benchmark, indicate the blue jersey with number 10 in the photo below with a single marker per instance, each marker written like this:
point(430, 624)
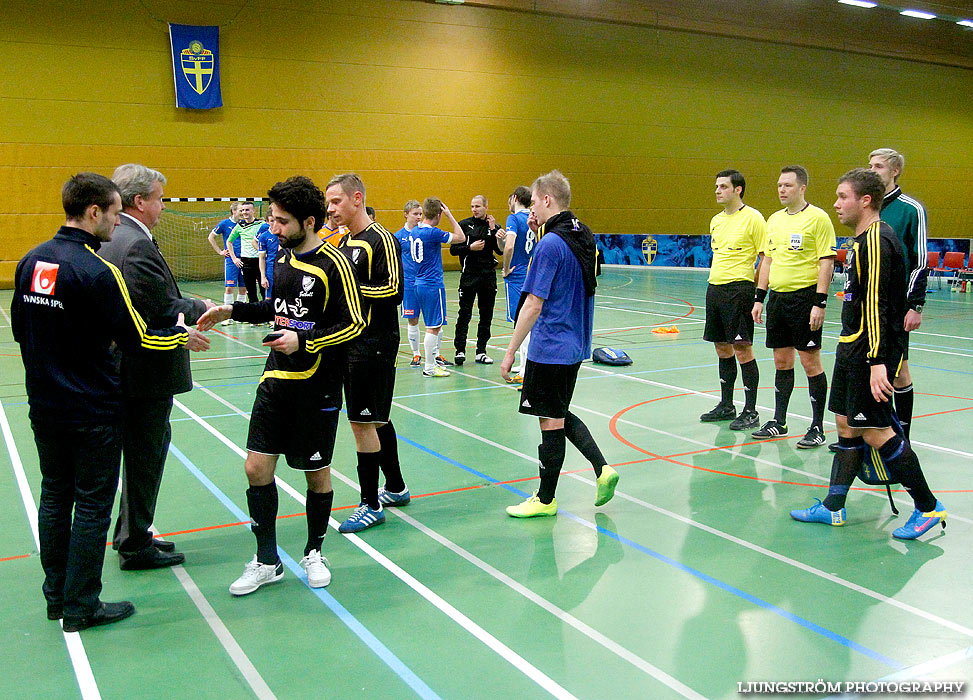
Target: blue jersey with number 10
point(523, 244)
point(425, 248)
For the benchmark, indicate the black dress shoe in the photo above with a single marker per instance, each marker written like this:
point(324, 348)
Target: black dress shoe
point(55, 611)
point(106, 614)
point(149, 558)
point(163, 545)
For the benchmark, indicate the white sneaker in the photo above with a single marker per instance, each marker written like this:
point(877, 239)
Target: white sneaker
point(227, 322)
point(435, 372)
point(484, 359)
point(316, 566)
point(256, 575)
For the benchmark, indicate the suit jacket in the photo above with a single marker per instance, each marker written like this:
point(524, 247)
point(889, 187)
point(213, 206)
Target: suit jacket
point(149, 373)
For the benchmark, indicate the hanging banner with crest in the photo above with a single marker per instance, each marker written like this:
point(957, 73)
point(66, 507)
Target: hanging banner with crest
point(196, 66)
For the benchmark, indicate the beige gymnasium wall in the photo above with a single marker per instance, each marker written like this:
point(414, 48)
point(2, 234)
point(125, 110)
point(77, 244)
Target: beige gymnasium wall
point(424, 99)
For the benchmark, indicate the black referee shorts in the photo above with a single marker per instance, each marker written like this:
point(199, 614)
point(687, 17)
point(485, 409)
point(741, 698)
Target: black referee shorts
point(369, 385)
point(294, 424)
point(548, 389)
point(789, 319)
point(728, 309)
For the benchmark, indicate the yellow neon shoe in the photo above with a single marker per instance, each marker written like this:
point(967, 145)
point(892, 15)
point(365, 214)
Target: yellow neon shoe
point(532, 508)
point(606, 485)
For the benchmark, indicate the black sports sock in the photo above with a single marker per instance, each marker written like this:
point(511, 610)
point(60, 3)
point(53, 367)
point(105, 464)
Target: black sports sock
point(318, 512)
point(904, 399)
point(844, 469)
point(390, 458)
point(903, 465)
point(783, 386)
point(728, 377)
point(551, 454)
point(262, 502)
point(817, 387)
point(751, 378)
point(577, 432)
point(368, 470)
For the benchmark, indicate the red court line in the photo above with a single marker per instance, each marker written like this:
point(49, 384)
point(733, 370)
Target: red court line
point(19, 556)
point(654, 325)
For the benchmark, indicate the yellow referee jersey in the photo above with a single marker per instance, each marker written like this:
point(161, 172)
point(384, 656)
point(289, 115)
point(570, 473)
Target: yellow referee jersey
point(736, 239)
point(796, 242)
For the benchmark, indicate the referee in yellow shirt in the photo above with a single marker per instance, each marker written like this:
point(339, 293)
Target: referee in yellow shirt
point(737, 237)
point(797, 265)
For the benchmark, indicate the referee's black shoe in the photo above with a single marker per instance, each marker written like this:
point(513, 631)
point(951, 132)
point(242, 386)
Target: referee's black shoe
point(720, 412)
point(106, 614)
point(149, 558)
point(770, 429)
point(746, 420)
point(834, 447)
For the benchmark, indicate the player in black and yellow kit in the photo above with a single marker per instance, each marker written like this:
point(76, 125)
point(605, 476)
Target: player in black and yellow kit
point(737, 238)
point(370, 370)
point(797, 267)
point(316, 308)
point(869, 354)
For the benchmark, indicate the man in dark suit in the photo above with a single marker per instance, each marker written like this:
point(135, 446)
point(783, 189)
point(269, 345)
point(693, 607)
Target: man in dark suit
point(149, 380)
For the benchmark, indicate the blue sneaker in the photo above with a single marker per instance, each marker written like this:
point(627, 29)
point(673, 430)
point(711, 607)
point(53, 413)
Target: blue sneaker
point(819, 514)
point(391, 498)
point(362, 519)
point(920, 523)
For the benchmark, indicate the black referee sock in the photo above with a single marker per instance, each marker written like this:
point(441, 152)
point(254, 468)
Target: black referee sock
point(751, 378)
point(389, 451)
point(728, 377)
point(262, 503)
point(577, 432)
point(817, 387)
point(368, 470)
point(904, 398)
point(318, 512)
point(551, 454)
point(783, 386)
point(903, 465)
point(844, 469)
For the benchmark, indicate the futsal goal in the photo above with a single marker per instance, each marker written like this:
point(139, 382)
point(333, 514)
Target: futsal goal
point(183, 230)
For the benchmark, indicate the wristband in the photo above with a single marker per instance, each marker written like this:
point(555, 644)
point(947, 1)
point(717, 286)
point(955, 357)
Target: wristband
point(822, 300)
point(760, 295)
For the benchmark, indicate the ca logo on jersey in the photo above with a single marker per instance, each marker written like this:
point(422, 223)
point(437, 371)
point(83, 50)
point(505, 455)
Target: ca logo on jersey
point(280, 306)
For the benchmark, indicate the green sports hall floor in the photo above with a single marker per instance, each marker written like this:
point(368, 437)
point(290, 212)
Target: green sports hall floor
point(691, 580)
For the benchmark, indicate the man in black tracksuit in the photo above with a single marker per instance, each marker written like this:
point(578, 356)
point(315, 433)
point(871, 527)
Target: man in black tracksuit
point(70, 308)
point(478, 279)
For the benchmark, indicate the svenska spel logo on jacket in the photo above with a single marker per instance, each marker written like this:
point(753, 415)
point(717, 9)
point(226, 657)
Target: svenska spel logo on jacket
point(45, 275)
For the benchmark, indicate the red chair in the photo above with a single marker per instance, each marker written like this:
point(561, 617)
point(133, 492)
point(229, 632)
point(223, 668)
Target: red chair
point(932, 263)
point(840, 260)
point(952, 262)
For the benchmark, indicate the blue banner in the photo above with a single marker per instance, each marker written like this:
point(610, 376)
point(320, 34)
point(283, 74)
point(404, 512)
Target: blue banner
point(196, 66)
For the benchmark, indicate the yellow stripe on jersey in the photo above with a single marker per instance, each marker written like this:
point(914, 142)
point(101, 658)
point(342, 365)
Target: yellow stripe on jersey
point(391, 248)
point(283, 374)
point(346, 275)
point(149, 342)
point(858, 271)
point(873, 322)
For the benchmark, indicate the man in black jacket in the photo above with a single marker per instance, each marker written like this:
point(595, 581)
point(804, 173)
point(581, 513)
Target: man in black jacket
point(478, 280)
point(69, 308)
point(149, 380)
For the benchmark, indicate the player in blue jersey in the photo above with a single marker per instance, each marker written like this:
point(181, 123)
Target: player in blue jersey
point(518, 248)
point(559, 308)
point(232, 277)
point(412, 211)
point(425, 249)
point(267, 245)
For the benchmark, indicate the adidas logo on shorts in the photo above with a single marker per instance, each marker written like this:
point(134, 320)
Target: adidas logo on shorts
point(316, 457)
point(525, 404)
point(810, 343)
point(366, 412)
point(739, 337)
point(859, 417)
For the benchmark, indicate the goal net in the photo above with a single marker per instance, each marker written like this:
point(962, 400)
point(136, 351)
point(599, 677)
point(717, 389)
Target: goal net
point(183, 230)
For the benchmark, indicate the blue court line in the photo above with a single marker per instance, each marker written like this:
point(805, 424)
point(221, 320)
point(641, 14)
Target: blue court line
point(350, 621)
point(828, 634)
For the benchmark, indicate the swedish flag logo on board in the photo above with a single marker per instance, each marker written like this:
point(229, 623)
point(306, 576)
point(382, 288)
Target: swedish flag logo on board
point(649, 248)
point(196, 66)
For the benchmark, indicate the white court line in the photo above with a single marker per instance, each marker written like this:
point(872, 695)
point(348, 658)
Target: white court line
point(466, 623)
point(550, 607)
point(6, 317)
point(79, 658)
point(730, 538)
point(233, 649)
